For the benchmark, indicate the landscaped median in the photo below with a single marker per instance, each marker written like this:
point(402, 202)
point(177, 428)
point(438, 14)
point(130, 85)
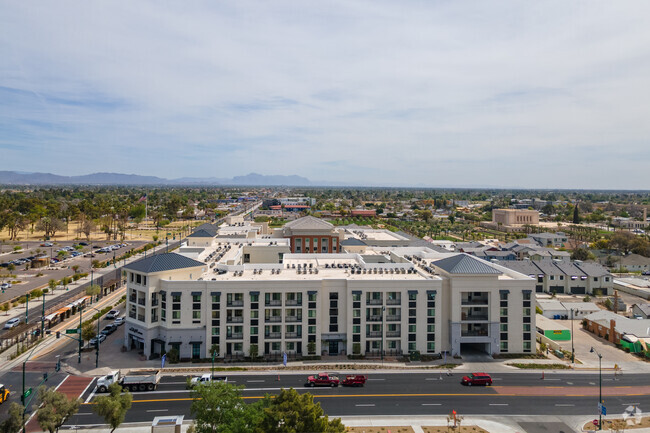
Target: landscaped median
point(539, 366)
point(305, 367)
point(409, 429)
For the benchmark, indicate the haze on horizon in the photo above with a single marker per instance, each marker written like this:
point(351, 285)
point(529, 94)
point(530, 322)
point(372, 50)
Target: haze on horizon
point(534, 95)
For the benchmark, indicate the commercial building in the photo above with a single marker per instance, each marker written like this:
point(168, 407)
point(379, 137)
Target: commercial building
point(247, 297)
point(514, 218)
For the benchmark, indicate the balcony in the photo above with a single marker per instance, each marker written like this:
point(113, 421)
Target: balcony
point(373, 319)
point(141, 317)
point(273, 335)
point(373, 301)
point(393, 318)
point(474, 318)
point(133, 299)
point(397, 301)
point(292, 335)
point(235, 336)
point(273, 319)
point(234, 319)
point(132, 314)
point(235, 304)
point(393, 333)
point(475, 333)
point(293, 319)
point(475, 301)
point(154, 302)
point(142, 301)
point(293, 302)
point(373, 334)
point(273, 303)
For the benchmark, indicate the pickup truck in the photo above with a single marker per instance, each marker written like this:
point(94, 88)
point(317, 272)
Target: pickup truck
point(322, 379)
point(207, 378)
point(354, 380)
point(144, 381)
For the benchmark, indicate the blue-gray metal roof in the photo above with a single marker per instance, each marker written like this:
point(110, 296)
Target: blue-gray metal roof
point(202, 234)
point(163, 262)
point(465, 264)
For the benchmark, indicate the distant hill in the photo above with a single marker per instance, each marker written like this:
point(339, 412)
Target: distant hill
point(22, 178)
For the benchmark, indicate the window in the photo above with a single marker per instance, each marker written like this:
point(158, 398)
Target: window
point(527, 327)
point(356, 313)
point(131, 274)
point(215, 330)
point(503, 296)
point(526, 311)
point(196, 298)
point(238, 347)
point(356, 297)
point(356, 329)
point(412, 312)
point(431, 296)
point(552, 277)
point(334, 328)
point(311, 329)
point(196, 350)
point(255, 297)
point(412, 347)
point(215, 298)
point(503, 312)
point(503, 327)
point(144, 280)
point(138, 279)
point(215, 314)
point(412, 328)
point(176, 298)
point(255, 314)
point(290, 345)
point(504, 346)
point(254, 330)
point(431, 346)
point(431, 328)
point(526, 296)
point(311, 313)
point(312, 297)
point(527, 346)
point(431, 312)
point(275, 346)
point(196, 314)
point(413, 296)
point(176, 315)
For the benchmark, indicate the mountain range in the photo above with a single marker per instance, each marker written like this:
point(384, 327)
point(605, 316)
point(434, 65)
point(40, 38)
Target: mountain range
point(252, 179)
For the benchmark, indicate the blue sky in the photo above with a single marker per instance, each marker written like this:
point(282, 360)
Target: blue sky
point(549, 94)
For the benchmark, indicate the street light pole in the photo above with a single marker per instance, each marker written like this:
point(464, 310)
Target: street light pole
point(383, 310)
point(43, 317)
point(26, 306)
point(573, 355)
point(600, 388)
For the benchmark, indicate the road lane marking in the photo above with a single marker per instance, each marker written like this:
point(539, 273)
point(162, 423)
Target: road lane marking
point(552, 379)
point(630, 404)
point(375, 379)
point(158, 410)
point(90, 397)
point(565, 405)
point(498, 404)
point(364, 405)
point(592, 383)
point(569, 383)
point(433, 378)
point(431, 404)
point(254, 381)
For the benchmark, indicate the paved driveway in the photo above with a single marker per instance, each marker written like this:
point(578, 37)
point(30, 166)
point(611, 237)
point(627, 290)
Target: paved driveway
point(583, 341)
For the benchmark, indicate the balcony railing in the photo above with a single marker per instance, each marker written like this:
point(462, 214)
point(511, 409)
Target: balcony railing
point(373, 319)
point(393, 318)
point(292, 335)
point(293, 319)
point(235, 336)
point(141, 317)
point(132, 299)
point(292, 302)
point(373, 334)
point(397, 301)
point(474, 317)
point(132, 314)
point(273, 319)
point(142, 301)
point(393, 333)
point(273, 302)
point(235, 304)
point(272, 335)
point(373, 302)
point(475, 333)
point(235, 319)
point(475, 301)
point(154, 302)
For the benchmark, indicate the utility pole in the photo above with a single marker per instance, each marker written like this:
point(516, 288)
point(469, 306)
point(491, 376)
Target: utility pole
point(26, 307)
point(43, 317)
point(573, 356)
point(600, 388)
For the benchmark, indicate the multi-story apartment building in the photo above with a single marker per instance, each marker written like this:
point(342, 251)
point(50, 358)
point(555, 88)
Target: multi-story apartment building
point(395, 300)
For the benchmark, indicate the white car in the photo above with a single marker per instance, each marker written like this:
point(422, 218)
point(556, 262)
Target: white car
point(119, 321)
point(113, 314)
point(207, 378)
point(12, 323)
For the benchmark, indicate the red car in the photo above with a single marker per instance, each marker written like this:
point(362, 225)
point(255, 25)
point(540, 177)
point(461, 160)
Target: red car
point(322, 379)
point(354, 380)
point(477, 379)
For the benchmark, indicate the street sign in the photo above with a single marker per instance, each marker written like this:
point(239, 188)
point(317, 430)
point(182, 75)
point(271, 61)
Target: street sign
point(28, 392)
point(603, 411)
point(72, 331)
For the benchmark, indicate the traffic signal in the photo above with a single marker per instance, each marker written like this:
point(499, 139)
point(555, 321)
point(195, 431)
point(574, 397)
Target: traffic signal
point(58, 334)
point(57, 367)
point(45, 376)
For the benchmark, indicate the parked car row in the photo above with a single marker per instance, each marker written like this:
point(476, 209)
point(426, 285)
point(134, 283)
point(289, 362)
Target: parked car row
point(110, 248)
point(22, 261)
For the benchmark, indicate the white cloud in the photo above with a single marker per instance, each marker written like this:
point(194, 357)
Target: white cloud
point(414, 92)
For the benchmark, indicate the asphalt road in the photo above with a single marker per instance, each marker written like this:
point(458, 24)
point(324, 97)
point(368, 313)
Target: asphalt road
point(409, 394)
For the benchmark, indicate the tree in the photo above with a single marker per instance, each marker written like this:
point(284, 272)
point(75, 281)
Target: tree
point(50, 226)
point(56, 408)
point(14, 422)
point(52, 285)
point(291, 412)
point(87, 227)
point(576, 215)
point(93, 290)
point(75, 268)
point(217, 407)
point(88, 331)
point(113, 407)
point(5, 307)
point(582, 254)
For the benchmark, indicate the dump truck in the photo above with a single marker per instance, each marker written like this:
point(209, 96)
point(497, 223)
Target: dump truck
point(137, 381)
